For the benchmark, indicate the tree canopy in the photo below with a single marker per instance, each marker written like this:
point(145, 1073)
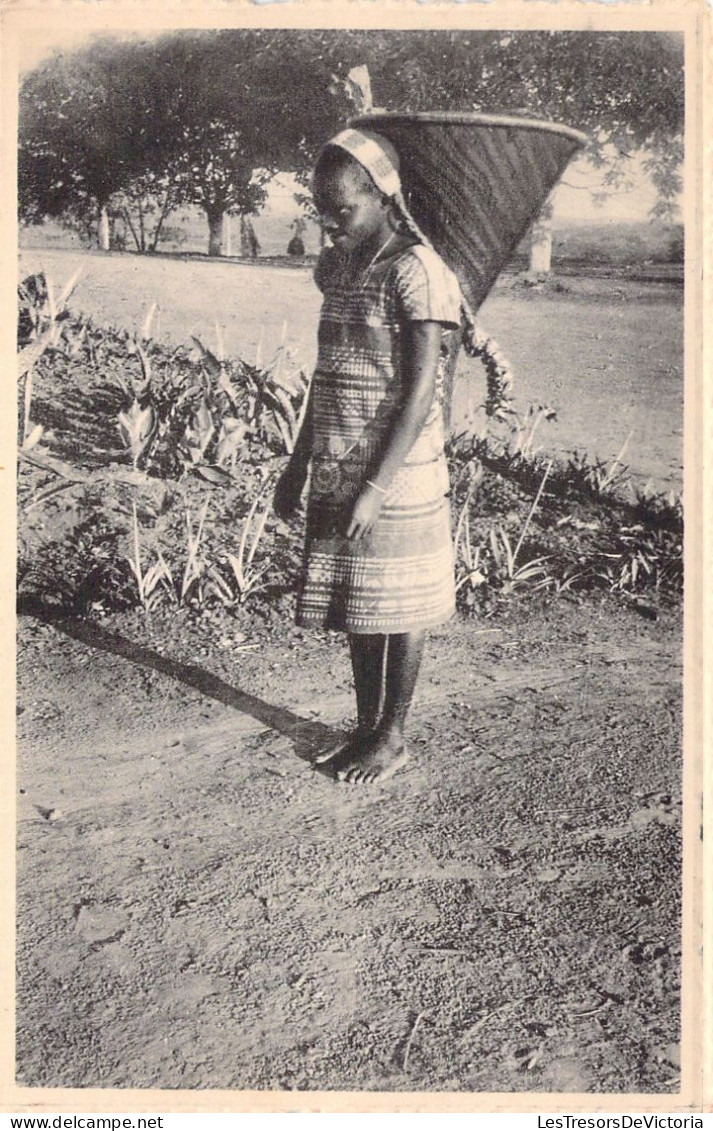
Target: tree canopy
point(220, 110)
point(85, 127)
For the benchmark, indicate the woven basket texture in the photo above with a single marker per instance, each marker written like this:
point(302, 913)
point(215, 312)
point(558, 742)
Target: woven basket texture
point(475, 183)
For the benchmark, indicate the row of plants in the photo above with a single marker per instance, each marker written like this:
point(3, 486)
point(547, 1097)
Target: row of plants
point(564, 547)
point(176, 409)
point(527, 522)
point(107, 547)
point(196, 554)
point(146, 473)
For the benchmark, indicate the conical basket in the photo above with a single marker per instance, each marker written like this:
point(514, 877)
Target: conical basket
point(475, 182)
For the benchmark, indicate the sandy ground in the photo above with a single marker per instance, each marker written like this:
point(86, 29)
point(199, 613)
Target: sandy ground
point(199, 908)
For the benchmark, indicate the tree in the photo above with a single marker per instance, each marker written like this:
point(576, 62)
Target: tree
point(143, 207)
point(85, 130)
point(248, 103)
point(625, 90)
point(217, 110)
point(107, 128)
point(213, 172)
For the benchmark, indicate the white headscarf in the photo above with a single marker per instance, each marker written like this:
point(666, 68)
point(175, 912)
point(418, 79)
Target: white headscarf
point(375, 154)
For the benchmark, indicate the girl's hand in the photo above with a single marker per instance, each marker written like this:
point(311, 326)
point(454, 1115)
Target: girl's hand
point(288, 490)
point(365, 513)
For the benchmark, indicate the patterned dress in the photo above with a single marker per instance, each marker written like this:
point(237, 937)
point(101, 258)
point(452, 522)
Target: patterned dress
point(401, 578)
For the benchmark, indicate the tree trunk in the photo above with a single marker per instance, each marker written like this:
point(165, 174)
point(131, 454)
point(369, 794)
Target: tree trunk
point(541, 243)
point(142, 230)
point(165, 209)
point(128, 221)
point(104, 240)
point(215, 231)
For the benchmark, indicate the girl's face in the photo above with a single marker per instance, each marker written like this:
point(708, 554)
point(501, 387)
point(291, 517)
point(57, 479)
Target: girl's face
point(353, 216)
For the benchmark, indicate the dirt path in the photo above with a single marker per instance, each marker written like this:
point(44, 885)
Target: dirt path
point(200, 909)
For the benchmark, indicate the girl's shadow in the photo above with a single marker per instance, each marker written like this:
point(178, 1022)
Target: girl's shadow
point(307, 735)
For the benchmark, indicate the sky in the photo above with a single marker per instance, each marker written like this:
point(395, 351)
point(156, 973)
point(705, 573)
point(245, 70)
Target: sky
point(574, 198)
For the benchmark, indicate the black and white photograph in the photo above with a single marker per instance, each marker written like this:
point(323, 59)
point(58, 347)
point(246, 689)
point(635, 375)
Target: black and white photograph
point(350, 654)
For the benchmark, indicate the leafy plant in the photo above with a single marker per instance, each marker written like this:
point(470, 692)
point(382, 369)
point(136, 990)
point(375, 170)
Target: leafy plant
point(243, 578)
point(41, 313)
point(75, 571)
point(504, 443)
point(506, 570)
point(195, 565)
point(230, 438)
point(287, 411)
point(137, 427)
point(173, 420)
point(659, 508)
point(149, 582)
point(41, 327)
point(643, 559)
point(276, 400)
point(505, 558)
point(523, 429)
point(198, 434)
point(597, 478)
point(559, 585)
point(468, 571)
point(219, 422)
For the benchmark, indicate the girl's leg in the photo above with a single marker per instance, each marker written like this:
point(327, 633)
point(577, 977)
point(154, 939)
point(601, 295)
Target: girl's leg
point(368, 653)
point(402, 667)
point(368, 662)
point(387, 750)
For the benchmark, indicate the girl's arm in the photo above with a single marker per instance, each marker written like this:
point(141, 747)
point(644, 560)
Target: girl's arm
point(291, 483)
point(421, 345)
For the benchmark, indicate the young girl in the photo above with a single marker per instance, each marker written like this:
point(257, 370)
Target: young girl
point(378, 555)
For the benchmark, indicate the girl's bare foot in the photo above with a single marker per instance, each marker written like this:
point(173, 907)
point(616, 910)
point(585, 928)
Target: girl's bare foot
point(379, 762)
point(343, 752)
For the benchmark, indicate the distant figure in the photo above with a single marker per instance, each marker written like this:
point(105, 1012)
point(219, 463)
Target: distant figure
point(249, 243)
point(296, 247)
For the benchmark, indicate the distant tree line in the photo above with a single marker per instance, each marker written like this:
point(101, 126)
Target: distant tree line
point(132, 130)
